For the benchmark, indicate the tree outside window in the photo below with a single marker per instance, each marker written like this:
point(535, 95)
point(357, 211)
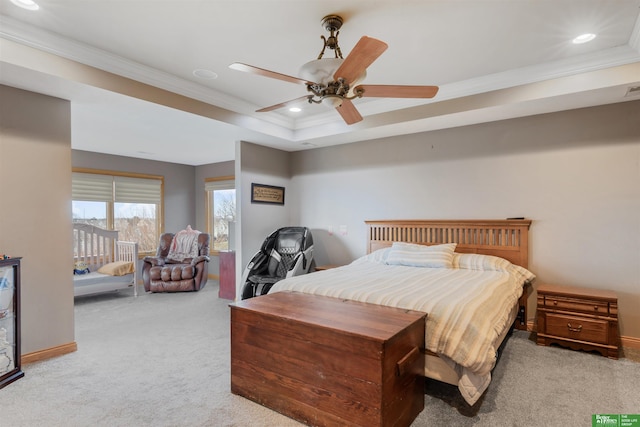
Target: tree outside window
point(221, 212)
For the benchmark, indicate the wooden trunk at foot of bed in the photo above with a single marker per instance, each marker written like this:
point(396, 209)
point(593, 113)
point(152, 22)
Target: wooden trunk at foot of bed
point(508, 239)
point(327, 361)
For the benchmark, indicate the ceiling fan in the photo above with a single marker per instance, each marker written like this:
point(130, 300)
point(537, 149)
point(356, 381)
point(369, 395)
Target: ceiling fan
point(335, 81)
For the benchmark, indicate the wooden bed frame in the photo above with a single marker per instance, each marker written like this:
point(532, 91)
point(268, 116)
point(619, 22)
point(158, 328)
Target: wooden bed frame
point(96, 247)
point(508, 239)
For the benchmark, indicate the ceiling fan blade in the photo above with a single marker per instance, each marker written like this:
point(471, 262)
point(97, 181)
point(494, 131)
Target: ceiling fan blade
point(348, 112)
point(363, 54)
point(283, 104)
point(266, 73)
point(392, 91)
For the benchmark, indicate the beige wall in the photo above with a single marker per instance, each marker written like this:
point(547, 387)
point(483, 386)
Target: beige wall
point(35, 207)
point(576, 174)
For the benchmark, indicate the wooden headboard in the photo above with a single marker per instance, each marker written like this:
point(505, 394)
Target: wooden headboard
point(507, 239)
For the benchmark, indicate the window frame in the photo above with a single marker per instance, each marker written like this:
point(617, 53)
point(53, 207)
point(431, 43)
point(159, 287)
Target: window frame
point(209, 204)
point(111, 204)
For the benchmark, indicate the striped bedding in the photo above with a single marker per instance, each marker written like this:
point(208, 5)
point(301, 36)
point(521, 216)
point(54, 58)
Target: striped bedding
point(467, 308)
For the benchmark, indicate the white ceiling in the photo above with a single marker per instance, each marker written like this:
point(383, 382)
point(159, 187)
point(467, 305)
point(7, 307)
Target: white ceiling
point(492, 59)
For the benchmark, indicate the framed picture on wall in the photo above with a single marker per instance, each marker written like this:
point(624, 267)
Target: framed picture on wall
point(269, 194)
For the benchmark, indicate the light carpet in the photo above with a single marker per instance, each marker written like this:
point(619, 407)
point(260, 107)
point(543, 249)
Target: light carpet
point(163, 360)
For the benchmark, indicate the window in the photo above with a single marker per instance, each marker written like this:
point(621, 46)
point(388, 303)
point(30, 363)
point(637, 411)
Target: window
point(128, 203)
point(221, 211)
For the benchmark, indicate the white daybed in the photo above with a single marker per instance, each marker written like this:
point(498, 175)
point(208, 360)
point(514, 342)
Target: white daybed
point(101, 250)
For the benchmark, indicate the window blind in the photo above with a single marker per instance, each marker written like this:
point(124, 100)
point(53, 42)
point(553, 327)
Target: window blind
point(137, 190)
point(227, 184)
point(91, 187)
point(107, 188)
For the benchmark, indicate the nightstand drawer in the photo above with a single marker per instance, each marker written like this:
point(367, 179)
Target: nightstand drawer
point(578, 328)
point(574, 304)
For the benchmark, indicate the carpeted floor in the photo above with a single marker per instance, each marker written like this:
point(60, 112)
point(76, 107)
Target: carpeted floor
point(163, 360)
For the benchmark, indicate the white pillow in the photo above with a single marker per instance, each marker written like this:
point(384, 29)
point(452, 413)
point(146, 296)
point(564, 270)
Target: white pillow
point(522, 274)
point(491, 263)
point(377, 257)
point(410, 254)
point(480, 262)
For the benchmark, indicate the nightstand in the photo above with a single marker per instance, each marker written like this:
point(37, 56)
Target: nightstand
point(578, 318)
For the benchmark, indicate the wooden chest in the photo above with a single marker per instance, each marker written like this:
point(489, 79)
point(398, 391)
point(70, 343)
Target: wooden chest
point(329, 362)
point(579, 318)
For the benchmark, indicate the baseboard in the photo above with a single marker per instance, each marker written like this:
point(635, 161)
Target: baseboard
point(630, 342)
point(48, 353)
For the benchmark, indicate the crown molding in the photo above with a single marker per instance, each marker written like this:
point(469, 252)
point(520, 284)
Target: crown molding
point(64, 47)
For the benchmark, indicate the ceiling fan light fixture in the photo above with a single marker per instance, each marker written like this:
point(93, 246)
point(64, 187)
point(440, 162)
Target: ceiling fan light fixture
point(332, 101)
point(335, 82)
point(320, 70)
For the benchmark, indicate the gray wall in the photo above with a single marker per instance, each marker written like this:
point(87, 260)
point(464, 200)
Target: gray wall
point(35, 211)
point(576, 174)
point(260, 165)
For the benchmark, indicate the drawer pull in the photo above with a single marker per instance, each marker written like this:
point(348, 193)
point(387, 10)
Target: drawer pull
point(595, 308)
point(572, 329)
point(555, 302)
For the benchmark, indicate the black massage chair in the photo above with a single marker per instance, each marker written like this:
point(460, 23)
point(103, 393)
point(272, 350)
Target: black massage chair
point(286, 252)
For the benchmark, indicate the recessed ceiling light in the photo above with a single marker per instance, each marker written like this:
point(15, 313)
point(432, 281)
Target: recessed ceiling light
point(26, 4)
point(584, 38)
point(205, 74)
point(295, 109)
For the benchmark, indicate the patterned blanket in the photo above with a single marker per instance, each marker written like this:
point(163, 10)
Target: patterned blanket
point(184, 245)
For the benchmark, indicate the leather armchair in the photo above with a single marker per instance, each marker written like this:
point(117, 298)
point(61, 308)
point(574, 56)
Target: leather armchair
point(161, 274)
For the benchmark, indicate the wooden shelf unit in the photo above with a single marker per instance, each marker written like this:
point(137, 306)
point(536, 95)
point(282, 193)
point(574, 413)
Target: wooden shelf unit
point(578, 318)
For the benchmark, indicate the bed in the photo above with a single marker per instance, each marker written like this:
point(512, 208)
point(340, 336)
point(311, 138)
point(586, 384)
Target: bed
point(102, 263)
point(473, 294)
